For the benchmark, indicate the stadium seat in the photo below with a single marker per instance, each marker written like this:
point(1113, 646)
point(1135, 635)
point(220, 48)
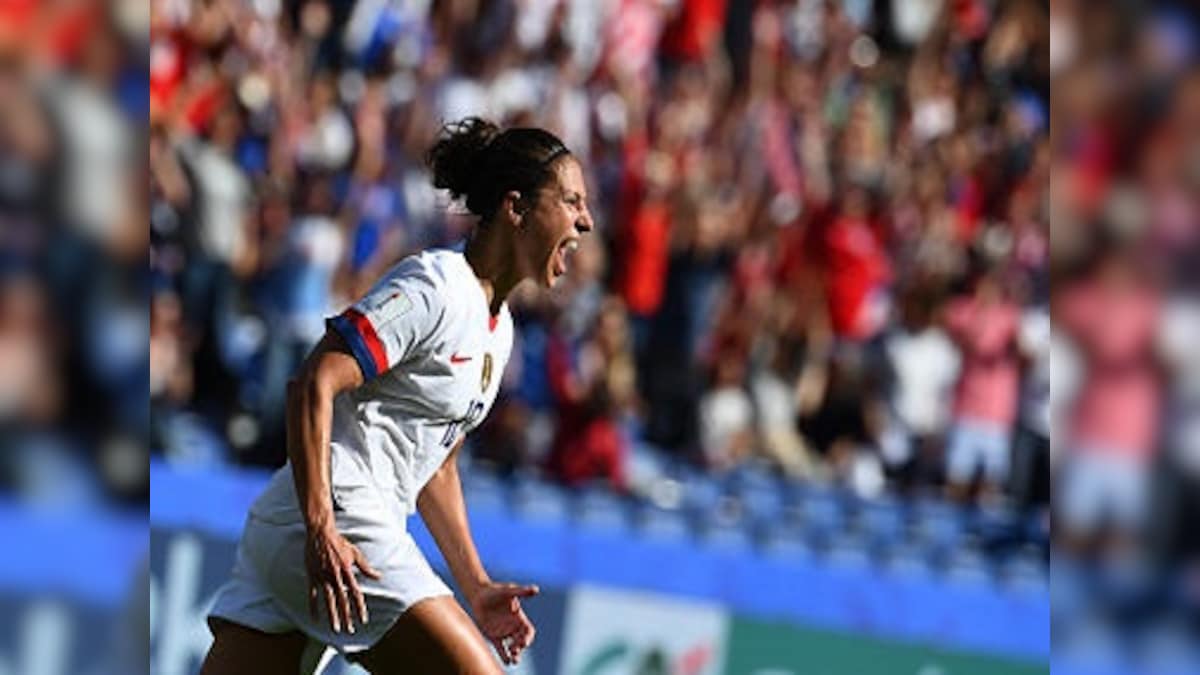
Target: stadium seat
point(483, 491)
point(822, 514)
point(938, 525)
point(1089, 646)
point(1025, 572)
point(967, 567)
point(534, 499)
point(725, 540)
point(1037, 528)
point(1070, 595)
point(1167, 647)
point(906, 560)
point(701, 493)
point(759, 501)
point(881, 521)
point(848, 551)
point(654, 523)
point(750, 475)
point(784, 542)
point(600, 509)
point(996, 526)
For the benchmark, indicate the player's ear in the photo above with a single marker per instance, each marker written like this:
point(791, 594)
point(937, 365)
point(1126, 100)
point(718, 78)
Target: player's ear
point(512, 206)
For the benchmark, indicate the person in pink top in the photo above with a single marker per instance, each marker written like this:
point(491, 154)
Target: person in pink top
point(984, 325)
point(1112, 319)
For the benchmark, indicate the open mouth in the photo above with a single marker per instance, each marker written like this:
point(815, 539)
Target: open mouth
point(563, 254)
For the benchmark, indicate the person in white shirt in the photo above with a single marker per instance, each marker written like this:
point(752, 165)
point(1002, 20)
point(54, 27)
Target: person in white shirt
point(376, 415)
point(923, 365)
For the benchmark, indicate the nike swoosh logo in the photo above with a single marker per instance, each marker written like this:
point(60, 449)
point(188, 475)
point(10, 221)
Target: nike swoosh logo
point(457, 358)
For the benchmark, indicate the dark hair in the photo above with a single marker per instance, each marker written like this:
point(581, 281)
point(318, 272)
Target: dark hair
point(473, 158)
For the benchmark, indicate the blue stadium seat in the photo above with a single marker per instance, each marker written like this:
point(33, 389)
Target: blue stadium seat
point(534, 499)
point(725, 540)
point(822, 513)
point(484, 491)
point(1037, 528)
point(654, 523)
point(600, 509)
point(968, 567)
point(848, 551)
point(907, 560)
point(938, 525)
point(1071, 595)
point(1090, 646)
point(701, 493)
point(1168, 647)
point(1025, 572)
point(784, 542)
point(750, 475)
point(881, 521)
point(760, 502)
point(997, 525)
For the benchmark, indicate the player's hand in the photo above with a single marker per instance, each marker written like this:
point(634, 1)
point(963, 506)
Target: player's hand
point(497, 610)
point(331, 560)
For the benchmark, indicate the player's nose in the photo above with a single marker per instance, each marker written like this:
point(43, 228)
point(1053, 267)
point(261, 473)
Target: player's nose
point(584, 223)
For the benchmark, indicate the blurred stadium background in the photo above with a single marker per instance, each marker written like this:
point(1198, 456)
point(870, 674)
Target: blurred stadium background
point(792, 410)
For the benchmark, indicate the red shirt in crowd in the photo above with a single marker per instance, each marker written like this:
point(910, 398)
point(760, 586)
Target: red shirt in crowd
point(988, 385)
point(857, 270)
point(1114, 329)
point(646, 253)
point(586, 446)
point(691, 34)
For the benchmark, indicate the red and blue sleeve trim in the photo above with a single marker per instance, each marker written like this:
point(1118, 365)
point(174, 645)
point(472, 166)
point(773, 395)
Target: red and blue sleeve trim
point(360, 336)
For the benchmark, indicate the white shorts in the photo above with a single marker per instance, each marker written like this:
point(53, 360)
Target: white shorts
point(269, 588)
point(1100, 484)
point(975, 445)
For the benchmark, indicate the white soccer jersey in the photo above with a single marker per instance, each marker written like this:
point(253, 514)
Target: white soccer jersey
point(432, 356)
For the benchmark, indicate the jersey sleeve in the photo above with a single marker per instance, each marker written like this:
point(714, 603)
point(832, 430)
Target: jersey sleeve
point(389, 325)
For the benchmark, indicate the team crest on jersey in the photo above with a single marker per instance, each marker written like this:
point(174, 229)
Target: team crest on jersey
point(486, 377)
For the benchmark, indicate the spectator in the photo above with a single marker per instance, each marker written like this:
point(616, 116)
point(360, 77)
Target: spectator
point(1112, 317)
point(984, 326)
point(594, 386)
point(924, 366)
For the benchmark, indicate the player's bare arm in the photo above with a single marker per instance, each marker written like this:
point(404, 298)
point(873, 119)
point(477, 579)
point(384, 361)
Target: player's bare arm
point(330, 559)
point(495, 605)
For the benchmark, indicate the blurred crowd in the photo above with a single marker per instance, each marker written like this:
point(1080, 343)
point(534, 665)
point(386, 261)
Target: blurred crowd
point(1126, 107)
point(823, 247)
point(73, 242)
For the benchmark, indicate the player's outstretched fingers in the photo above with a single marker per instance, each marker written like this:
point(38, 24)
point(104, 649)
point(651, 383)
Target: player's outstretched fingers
point(524, 591)
point(360, 601)
point(345, 584)
point(528, 635)
point(331, 606)
point(356, 595)
point(502, 649)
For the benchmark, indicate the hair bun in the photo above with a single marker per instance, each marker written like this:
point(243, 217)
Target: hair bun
point(455, 159)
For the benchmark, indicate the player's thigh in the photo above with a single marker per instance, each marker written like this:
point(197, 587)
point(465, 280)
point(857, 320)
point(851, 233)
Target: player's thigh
point(434, 636)
point(238, 650)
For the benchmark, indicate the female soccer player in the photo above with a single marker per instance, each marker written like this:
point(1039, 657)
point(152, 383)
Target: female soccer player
point(375, 418)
